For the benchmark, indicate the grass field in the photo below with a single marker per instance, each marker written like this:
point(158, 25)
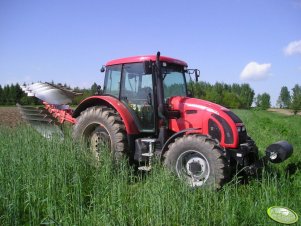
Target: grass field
point(58, 183)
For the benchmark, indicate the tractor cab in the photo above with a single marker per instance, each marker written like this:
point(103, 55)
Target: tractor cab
point(142, 86)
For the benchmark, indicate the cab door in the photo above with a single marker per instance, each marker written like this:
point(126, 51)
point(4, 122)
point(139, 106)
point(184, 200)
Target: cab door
point(137, 94)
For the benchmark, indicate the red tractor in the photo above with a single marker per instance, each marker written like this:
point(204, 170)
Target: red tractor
point(145, 109)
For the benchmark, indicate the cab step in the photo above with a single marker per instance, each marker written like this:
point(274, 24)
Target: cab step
point(145, 168)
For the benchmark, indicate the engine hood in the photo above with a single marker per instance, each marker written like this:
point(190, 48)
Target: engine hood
point(186, 103)
point(209, 118)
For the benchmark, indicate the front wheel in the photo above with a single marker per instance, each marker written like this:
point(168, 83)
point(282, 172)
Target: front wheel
point(198, 160)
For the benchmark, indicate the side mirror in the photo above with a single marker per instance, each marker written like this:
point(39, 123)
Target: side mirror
point(103, 69)
point(279, 151)
point(189, 93)
point(99, 90)
point(197, 74)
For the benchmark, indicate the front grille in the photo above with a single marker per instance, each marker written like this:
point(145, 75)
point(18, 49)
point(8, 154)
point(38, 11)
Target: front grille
point(214, 131)
point(227, 129)
point(241, 134)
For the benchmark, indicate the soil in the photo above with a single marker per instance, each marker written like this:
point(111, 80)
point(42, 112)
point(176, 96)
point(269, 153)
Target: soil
point(10, 116)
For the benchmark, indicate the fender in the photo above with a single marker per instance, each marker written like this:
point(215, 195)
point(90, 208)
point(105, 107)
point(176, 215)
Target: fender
point(112, 102)
point(173, 137)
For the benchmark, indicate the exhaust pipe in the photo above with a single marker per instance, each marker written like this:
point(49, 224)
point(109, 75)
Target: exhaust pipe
point(279, 151)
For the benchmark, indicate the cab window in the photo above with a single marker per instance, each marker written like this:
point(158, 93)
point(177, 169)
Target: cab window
point(112, 81)
point(174, 84)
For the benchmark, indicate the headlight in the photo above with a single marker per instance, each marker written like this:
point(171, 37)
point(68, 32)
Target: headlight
point(241, 129)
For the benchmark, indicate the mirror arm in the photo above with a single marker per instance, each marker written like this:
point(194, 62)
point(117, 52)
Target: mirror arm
point(197, 74)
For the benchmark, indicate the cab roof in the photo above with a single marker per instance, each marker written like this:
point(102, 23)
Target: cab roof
point(137, 59)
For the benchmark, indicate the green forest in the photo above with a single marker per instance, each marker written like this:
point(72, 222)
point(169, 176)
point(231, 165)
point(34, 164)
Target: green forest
point(234, 96)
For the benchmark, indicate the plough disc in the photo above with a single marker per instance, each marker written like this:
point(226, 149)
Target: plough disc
point(41, 121)
point(55, 98)
point(50, 93)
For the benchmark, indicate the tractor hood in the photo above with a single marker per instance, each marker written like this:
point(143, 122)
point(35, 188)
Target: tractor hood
point(196, 106)
point(186, 103)
point(210, 118)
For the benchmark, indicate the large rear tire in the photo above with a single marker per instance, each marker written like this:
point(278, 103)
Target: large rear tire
point(101, 126)
point(198, 160)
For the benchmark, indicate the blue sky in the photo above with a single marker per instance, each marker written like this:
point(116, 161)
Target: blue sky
point(232, 41)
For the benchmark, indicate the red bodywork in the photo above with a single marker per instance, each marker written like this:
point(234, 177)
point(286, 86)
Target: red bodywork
point(61, 115)
point(69, 115)
point(195, 113)
point(137, 59)
point(124, 113)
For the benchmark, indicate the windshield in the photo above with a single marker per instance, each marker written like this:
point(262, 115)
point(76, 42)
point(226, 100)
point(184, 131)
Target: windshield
point(174, 83)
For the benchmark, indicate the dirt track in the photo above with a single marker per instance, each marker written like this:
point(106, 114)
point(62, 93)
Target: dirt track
point(10, 116)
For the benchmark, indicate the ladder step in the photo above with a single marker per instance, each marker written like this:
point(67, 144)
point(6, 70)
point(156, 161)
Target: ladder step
point(145, 168)
point(147, 154)
point(149, 140)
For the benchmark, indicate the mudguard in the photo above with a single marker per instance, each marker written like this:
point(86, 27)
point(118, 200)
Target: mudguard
point(110, 101)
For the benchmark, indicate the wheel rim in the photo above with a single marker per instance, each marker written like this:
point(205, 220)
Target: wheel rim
point(99, 140)
point(193, 166)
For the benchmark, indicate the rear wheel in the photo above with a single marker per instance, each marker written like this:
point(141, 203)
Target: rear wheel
point(101, 126)
point(198, 160)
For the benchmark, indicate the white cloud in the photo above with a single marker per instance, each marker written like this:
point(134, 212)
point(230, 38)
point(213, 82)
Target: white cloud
point(293, 48)
point(254, 71)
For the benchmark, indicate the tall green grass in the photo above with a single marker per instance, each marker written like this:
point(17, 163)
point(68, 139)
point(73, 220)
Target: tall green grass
point(58, 183)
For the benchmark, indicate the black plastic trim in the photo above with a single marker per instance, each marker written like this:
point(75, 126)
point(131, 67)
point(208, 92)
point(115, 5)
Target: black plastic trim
point(229, 139)
point(174, 136)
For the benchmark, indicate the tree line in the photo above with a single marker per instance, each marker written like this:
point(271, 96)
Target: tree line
point(290, 100)
point(12, 94)
point(235, 96)
point(231, 96)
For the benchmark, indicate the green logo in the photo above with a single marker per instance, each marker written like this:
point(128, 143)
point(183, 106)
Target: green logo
point(282, 215)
